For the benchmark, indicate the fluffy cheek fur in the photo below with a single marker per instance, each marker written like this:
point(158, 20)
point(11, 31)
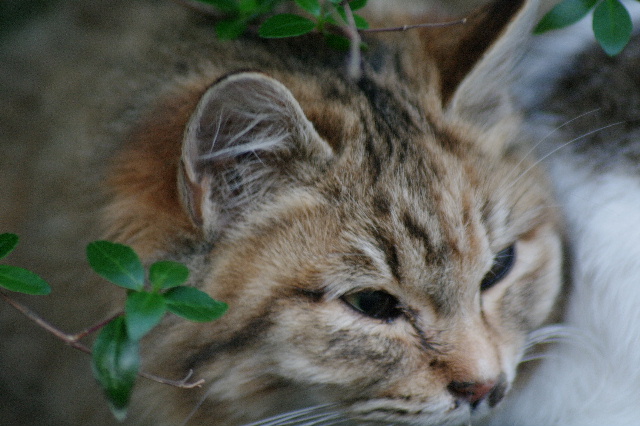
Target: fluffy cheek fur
point(308, 348)
point(525, 302)
point(287, 344)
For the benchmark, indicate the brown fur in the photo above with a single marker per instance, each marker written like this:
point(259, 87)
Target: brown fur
point(143, 178)
point(407, 181)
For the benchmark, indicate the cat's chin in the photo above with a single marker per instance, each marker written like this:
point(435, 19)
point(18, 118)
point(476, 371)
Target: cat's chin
point(390, 412)
point(443, 412)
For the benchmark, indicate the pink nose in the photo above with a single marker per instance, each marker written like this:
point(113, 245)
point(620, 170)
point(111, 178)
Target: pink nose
point(474, 392)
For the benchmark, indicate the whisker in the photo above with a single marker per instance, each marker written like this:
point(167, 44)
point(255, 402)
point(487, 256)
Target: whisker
point(331, 418)
point(552, 332)
point(548, 135)
point(544, 157)
point(303, 417)
point(197, 406)
point(567, 335)
point(538, 357)
point(346, 253)
point(549, 334)
point(335, 422)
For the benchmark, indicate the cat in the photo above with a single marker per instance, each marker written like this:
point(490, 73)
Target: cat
point(585, 113)
point(387, 244)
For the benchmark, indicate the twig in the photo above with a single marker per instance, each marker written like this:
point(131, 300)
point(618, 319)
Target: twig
point(353, 68)
point(208, 10)
point(414, 26)
point(95, 327)
point(353, 34)
point(184, 383)
point(69, 340)
point(72, 340)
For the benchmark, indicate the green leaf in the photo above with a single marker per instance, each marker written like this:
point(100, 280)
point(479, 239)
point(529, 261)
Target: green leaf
point(564, 14)
point(115, 364)
point(193, 304)
point(23, 281)
point(226, 6)
point(357, 4)
point(361, 23)
point(286, 25)
point(7, 243)
point(143, 312)
point(311, 6)
point(230, 29)
point(612, 26)
point(166, 274)
point(117, 263)
point(338, 42)
point(342, 43)
point(248, 6)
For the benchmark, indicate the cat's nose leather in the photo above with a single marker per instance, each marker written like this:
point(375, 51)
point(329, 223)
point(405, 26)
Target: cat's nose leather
point(476, 392)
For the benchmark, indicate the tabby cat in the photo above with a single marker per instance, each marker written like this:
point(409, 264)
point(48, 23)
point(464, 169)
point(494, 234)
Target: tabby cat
point(385, 244)
point(587, 118)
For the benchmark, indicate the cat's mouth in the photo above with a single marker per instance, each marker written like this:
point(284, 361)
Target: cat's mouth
point(383, 412)
point(392, 412)
point(449, 407)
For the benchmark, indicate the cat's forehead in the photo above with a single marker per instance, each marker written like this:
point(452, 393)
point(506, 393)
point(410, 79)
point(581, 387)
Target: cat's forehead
point(406, 240)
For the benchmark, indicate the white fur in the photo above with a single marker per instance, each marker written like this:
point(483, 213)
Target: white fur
point(550, 55)
point(592, 378)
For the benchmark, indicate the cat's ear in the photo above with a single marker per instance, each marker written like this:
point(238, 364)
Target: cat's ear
point(246, 137)
point(476, 59)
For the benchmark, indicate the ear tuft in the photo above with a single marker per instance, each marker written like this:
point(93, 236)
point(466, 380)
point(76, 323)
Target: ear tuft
point(246, 129)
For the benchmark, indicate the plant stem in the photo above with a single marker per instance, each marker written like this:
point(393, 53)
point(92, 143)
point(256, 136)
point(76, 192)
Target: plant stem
point(95, 327)
point(184, 383)
point(68, 339)
point(353, 68)
point(72, 340)
point(413, 26)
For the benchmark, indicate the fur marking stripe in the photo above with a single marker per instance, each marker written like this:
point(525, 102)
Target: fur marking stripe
point(390, 252)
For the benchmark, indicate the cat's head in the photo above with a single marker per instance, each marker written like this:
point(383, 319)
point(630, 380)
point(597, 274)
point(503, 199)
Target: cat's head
point(382, 246)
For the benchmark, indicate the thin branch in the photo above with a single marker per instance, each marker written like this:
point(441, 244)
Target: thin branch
point(95, 327)
point(184, 383)
point(353, 68)
point(355, 40)
point(72, 340)
point(208, 10)
point(69, 340)
point(413, 26)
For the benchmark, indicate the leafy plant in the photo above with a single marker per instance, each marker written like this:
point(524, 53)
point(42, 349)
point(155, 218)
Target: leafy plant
point(326, 17)
point(334, 19)
point(239, 14)
point(19, 279)
point(612, 24)
point(116, 350)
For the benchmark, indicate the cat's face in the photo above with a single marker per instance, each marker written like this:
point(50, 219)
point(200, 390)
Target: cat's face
point(404, 301)
point(380, 246)
point(397, 281)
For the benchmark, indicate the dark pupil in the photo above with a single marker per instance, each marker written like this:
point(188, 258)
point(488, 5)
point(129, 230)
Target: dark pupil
point(502, 264)
point(376, 304)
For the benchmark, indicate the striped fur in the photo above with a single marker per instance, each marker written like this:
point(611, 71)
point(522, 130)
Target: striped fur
point(287, 188)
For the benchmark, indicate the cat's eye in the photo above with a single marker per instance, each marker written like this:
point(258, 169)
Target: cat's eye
point(375, 304)
point(502, 264)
